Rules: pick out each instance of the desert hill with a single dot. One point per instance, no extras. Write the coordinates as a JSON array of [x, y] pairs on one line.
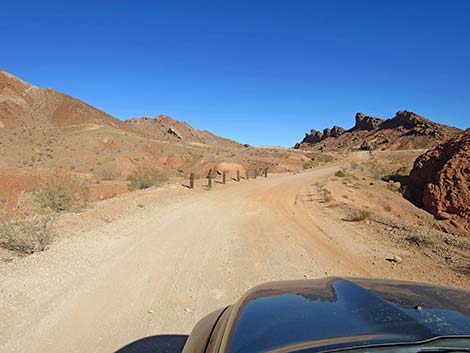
[[406, 130], [26, 106], [43, 130], [165, 128]]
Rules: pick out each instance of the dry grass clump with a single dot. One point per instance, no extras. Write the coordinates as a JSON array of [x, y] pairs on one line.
[[61, 192], [360, 215], [26, 234], [145, 177]]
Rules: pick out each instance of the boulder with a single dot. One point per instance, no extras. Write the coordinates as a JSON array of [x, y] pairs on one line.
[[174, 133], [366, 146], [441, 179]]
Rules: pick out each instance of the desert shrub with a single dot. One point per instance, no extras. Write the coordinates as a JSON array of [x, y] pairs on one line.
[[61, 192], [326, 194], [108, 173], [340, 174], [308, 164], [360, 215], [145, 177], [419, 239], [26, 234]]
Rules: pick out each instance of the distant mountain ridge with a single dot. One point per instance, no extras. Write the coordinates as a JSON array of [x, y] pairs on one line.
[[406, 130]]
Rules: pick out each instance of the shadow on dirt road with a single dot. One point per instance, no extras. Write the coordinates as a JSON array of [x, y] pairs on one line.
[[156, 344]]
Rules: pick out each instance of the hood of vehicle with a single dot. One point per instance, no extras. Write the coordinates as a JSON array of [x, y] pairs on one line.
[[335, 313]]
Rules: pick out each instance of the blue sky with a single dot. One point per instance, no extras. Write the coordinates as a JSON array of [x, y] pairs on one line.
[[260, 72]]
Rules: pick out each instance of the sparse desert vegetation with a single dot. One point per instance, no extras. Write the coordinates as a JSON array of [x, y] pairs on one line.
[[359, 215], [145, 177], [340, 174], [61, 192], [26, 233]]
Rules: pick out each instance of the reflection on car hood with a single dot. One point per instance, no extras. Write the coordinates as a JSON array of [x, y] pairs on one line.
[[337, 313]]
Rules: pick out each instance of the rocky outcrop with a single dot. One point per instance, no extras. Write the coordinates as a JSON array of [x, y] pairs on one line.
[[441, 180], [406, 130], [414, 124], [174, 133], [365, 122], [335, 131], [316, 136]]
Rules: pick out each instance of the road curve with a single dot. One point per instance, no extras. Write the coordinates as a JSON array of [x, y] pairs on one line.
[[159, 272]]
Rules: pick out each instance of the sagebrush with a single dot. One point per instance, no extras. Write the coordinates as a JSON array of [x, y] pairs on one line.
[[61, 192], [146, 177]]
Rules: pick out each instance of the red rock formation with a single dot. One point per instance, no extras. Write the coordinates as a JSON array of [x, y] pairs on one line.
[[406, 130], [442, 178], [364, 122]]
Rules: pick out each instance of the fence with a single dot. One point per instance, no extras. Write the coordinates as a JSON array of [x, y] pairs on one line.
[[212, 176]]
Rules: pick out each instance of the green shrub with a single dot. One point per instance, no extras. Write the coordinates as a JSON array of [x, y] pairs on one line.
[[340, 174], [61, 192], [26, 234], [145, 177]]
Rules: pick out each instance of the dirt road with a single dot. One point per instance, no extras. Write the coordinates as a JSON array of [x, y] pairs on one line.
[[158, 270]]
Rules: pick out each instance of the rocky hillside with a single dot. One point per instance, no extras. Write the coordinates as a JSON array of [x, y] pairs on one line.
[[26, 106], [165, 128], [406, 130], [441, 180]]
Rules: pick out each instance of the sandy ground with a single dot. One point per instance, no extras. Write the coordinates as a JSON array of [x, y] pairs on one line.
[[158, 267]]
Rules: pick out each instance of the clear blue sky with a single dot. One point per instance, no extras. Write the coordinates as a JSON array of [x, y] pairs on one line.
[[260, 72]]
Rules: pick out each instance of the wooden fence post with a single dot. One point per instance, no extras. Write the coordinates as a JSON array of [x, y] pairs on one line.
[[209, 180], [191, 181], [265, 172], [247, 174], [224, 177], [238, 175]]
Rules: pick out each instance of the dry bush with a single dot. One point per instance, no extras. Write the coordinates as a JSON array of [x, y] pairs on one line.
[[145, 177], [308, 164], [108, 174], [24, 233], [326, 194], [61, 192], [360, 215]]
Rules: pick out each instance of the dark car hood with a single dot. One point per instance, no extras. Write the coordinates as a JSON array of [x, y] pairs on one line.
[[337, 313]]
